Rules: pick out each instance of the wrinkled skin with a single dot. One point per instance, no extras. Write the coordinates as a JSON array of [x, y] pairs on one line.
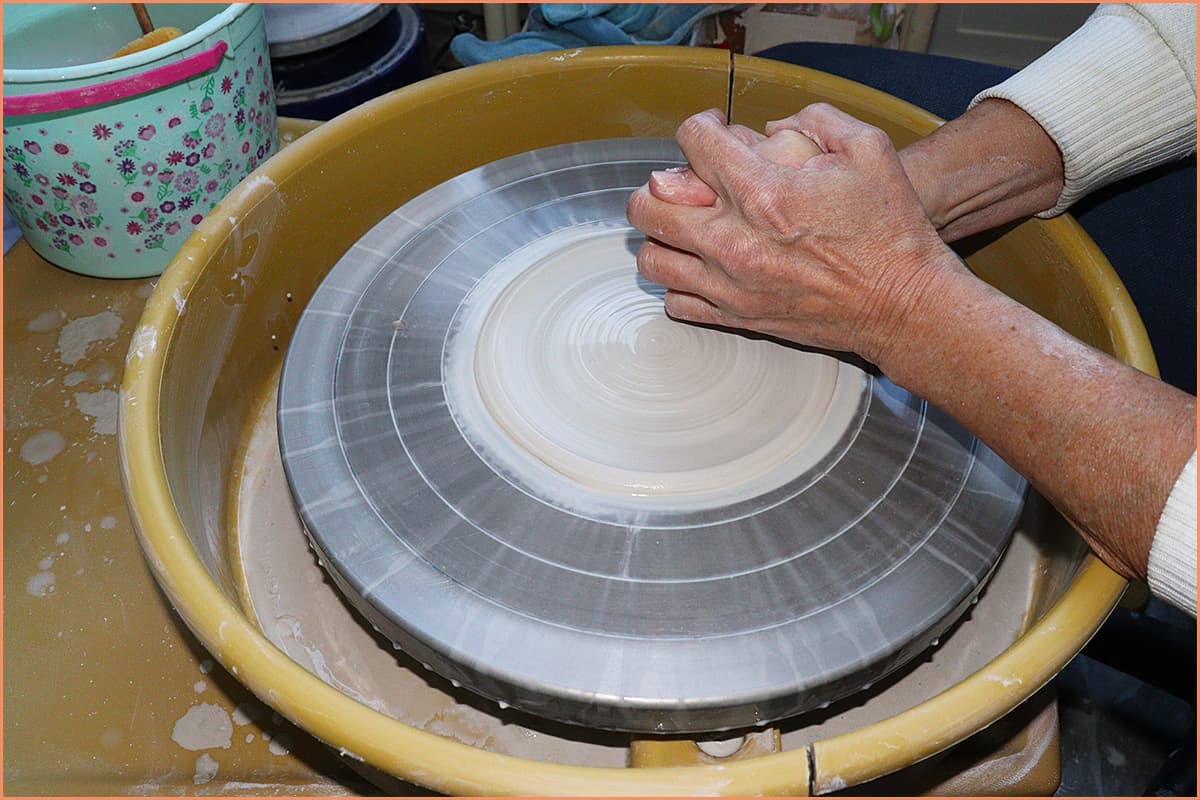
[[828, 250], [837, 251]]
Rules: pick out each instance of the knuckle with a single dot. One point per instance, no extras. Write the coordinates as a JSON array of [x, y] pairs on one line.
[[775, 196], [683, 307], [738, 256], [788, 123], [743, 305], [735, 304], [875, 139], [760, 204], [693, 128], [673, 307], [746, 136], [815, 111], [647, 263], [769, 201], [635, 206]]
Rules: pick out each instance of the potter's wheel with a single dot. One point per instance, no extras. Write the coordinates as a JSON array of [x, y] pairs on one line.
[[527, 477]]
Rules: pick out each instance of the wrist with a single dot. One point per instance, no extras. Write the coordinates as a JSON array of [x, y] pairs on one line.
[[900, 324], [921, 162], [990, 166]]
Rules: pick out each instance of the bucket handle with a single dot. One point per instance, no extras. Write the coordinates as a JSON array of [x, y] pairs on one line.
[[119, 89]]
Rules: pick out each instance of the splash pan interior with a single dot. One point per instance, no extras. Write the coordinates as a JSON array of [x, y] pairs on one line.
[[205, 481]]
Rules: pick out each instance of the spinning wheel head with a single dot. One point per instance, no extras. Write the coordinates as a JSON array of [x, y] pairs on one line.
[[521, 471]]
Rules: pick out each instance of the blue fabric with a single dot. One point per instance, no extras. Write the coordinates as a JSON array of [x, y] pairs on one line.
[[559, 26], [1144, 224]]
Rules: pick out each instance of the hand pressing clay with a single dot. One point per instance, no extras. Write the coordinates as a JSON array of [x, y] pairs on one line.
[[682, 186]]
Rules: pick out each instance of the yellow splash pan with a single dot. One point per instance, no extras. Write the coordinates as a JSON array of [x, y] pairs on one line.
[[220, 318]]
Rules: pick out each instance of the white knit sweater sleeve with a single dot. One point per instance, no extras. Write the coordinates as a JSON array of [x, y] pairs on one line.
[[1173, 552], [1118, 96]]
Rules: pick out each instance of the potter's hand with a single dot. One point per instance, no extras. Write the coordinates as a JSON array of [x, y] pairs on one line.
[[838, 252], [682, 187], [992, 165], [834, 252]]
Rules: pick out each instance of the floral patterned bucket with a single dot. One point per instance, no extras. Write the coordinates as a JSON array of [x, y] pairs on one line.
[[109, 164]]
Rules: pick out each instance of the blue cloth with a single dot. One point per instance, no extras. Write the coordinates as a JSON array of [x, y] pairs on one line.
[[559, 26]]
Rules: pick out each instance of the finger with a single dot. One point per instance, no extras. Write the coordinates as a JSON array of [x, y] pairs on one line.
[[833, 130], [682, 227], [714, 153], [682, 187], [787, 147], [674, 269], [747, 136], [789, 123], [691, 308], [829, 120], [702, 311]]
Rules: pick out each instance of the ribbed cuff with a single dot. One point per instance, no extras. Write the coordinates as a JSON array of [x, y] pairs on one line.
[[1173, 553], [1114, 98]]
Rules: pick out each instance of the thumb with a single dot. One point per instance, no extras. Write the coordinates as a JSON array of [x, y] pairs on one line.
[[833, 130], [788, 147], [682, 187]]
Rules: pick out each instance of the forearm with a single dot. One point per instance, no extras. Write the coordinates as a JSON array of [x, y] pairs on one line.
[[990, 166], [1102, 441], [837, 253], [1115, 98]]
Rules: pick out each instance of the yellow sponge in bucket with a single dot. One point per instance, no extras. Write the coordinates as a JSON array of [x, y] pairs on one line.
[[155, 37]]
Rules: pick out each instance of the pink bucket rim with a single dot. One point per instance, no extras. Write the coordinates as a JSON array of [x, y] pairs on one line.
[[22, 78]]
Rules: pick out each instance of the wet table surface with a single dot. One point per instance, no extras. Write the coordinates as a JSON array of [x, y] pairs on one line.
[[105, 691]]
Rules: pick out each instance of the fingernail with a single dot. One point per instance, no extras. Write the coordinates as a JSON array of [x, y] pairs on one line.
[[669, 177]]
